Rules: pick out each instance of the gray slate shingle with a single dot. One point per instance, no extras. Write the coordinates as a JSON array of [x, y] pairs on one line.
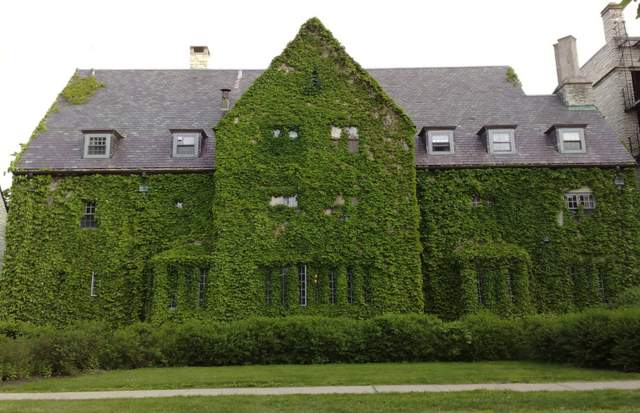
[[144, 104]]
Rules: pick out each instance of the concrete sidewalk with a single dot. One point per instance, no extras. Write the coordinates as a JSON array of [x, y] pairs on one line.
[[278, 391]]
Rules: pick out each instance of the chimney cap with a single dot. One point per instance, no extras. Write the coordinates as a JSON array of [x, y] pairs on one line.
[[200, 50], [611, 6]]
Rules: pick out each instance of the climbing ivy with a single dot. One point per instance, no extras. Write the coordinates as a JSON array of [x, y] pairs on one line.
[[512, 77], [575, 260], [49, 258], [357, 212]]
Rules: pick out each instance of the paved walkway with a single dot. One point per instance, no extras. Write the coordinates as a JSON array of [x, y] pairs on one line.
[[273, 391]]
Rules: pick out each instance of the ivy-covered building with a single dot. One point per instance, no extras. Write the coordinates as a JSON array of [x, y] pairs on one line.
[[316, 187]]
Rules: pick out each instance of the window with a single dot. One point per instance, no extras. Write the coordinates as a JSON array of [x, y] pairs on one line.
[[202, 290], [350, 287], [186, 144], [268, 287], [89, 219], [302, 284], [333, 290], [580, 199], [571, 140], [288, 201], [475, 201], [174, 302], [93, 292], [480, 287], [97, 145], [501, 141], [440, 141], [351, 132], [283, 286]]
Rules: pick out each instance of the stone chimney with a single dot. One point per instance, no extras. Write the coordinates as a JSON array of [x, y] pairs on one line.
[[199, 57], [613, 21], [573, 88]]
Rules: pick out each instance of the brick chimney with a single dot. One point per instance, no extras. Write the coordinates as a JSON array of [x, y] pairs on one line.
[[574, 89], [613, 21], [199, 57]]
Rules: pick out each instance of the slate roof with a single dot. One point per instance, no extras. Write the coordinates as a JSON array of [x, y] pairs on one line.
[[143, 105]]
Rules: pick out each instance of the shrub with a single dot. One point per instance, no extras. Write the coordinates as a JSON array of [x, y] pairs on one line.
[[598, 338], [628, 298]]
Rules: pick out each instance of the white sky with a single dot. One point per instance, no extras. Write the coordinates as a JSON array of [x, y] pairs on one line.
[[42, 42]]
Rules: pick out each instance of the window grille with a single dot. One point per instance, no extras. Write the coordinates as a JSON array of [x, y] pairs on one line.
[[575, 200], [302, 281], [501, 141], [268, 287], [202, 290], [93, 292], [333, 288], [97, 145], [89, 219], [440, 142], [283, 286], [350, 286]]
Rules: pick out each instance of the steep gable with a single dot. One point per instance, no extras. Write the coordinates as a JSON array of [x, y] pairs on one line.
[[317, 134]]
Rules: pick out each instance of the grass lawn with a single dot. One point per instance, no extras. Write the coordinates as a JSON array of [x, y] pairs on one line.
[[318, 375], [479, 401]]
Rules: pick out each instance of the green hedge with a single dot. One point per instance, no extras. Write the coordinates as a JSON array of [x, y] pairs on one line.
[[597, 338]]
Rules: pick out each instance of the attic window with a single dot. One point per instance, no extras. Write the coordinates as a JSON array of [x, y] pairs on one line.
[[571, 140], [501, 141], [440, 142], [186, 144], [97, 145]]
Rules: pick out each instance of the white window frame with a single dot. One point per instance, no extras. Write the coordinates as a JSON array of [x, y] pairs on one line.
[[92, 291], [87, 140], [512, 141], [177, 136], [588, 204], [288, 201], [561, 140], [440, 132], [303, 285]]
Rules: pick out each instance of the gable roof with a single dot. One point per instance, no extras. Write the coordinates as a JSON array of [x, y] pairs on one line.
[[144, 105]]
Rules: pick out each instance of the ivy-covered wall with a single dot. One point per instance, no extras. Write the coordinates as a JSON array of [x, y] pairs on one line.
[[356, 195], [576, 260], [50, 259]]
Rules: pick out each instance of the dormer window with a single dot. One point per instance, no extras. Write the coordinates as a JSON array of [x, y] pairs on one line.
[[440, 142], [186, 144], [501, 141], [97, 145], [571, 140]]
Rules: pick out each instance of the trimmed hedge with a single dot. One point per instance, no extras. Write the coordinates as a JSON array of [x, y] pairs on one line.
[[597, 338]]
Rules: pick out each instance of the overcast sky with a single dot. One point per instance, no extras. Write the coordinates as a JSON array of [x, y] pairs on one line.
[[43, 42]]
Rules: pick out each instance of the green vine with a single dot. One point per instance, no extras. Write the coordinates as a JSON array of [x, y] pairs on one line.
[[512, 77]]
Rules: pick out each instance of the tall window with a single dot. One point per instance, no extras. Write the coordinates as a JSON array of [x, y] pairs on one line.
[[93, 292], [283, 286], [302, 285], [501, 141], [268, 287], [350, 286], [480, 287], [89, 219], [202, 290], [440, 141], [97, 145], [333, 289]]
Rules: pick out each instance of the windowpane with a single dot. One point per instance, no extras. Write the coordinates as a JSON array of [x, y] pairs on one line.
[[572, 146], [185, 149], [570, 136], [302, 280], [575, 200], [502, 147], [283, 286], [350, 286], [202, 292], [332, 288], [89, 219], [93, 292], [97, 145]]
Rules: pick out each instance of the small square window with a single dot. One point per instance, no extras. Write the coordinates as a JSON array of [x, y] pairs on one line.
[[571, 140], [89, 219], [186, 145], [97, 145], [440, 142], [501, 141]]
